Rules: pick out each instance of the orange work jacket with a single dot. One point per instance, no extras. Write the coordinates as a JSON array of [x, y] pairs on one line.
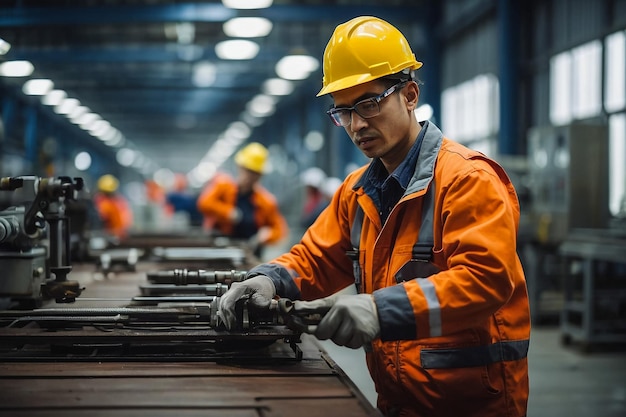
[[115, 213], [453, 343], [219, 198]]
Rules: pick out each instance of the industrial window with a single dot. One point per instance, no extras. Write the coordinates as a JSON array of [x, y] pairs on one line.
[[470, 110], [615, 72], [575, 83], [617, 156]]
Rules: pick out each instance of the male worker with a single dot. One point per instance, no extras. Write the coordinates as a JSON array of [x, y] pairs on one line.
[[443, 309], [113, 208], [242, 208]]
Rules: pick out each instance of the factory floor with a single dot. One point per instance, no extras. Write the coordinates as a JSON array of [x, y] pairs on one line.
[[564, 380]]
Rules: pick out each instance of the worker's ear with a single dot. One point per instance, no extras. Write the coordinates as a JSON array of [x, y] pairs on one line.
[[411, 95]]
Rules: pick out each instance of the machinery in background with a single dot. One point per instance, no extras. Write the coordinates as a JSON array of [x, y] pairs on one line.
[[34, 240], [568, 184]]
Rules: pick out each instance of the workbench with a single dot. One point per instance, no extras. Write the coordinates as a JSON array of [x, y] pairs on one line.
[[258, 380], [594, 310]]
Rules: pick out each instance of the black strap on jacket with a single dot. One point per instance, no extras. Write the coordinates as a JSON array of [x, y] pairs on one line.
[[422, 249]]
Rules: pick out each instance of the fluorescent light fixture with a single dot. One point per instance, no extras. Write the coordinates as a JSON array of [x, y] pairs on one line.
[[204, 74], [87, 120], [296, 67], [37, 87], [247, 4], [4, 47], [247, 27], [277, 87], [239, 130], [16, 69], [237, 49], [261, 105], [66, 106], [77, 113], [125, 157], [82, 161], [54, 97]]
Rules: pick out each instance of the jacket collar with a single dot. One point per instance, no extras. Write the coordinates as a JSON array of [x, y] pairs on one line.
[[424, 168]]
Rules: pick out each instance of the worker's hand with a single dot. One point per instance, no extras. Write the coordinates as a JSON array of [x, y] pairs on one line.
[[235, 215], [351, 320], [259, 291]]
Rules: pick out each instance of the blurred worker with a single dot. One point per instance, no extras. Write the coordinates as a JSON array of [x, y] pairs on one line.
[[313, 179], [430, 227], [113, 207], [327, 191], [242, 208], [181, 199]]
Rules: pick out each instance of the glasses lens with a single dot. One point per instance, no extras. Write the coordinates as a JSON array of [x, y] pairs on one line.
[[367, 108], [341, 117]]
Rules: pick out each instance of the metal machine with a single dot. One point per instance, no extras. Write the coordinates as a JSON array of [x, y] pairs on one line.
[[34, 240], [144, 340]]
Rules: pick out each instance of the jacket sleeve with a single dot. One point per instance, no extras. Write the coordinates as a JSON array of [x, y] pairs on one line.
[[476, 221], [317, 266], [273, 218], [212, 202]]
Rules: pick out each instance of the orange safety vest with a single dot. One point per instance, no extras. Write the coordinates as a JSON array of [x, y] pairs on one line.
[[115, 213], [218, 200], [453, 338]]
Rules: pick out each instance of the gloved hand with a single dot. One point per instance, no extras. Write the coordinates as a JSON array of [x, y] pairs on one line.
[[259, 290], [351, 320]]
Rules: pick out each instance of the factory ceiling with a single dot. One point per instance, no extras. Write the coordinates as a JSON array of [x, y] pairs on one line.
[[150, 68]]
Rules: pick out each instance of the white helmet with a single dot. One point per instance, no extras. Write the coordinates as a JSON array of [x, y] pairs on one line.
[[313, 177], [330, 186]]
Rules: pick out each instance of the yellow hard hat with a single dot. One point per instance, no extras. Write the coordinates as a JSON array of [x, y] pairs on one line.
[[108, 183], [253, 157], [364, 49]]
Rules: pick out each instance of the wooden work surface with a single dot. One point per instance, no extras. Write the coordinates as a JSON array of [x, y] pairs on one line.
[[269, 381]]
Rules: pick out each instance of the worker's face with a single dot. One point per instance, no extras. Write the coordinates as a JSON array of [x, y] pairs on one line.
[[247, 179], [387, 135]]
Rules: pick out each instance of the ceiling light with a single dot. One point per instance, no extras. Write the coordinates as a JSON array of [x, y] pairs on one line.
[[87, 120], [66, 106], [16, 69], [54, 98], [75, 114], [237, 49], [37, 87], [247, 4], [204, 74], [261, 105], [277, 87], [248, 27], [125, 157], [4, 47], [296, 67], [82, 161]]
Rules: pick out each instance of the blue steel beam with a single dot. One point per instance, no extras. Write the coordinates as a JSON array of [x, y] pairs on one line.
[[193, 12]]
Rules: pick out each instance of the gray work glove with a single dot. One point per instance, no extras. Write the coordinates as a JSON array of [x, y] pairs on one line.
[[350, 320], [259, 290]]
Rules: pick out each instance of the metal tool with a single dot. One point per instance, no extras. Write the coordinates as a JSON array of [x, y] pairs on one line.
[[298, 318], [200, 277]]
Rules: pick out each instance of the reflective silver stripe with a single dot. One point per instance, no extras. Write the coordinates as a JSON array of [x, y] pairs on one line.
[[434, 308], [471, 356]]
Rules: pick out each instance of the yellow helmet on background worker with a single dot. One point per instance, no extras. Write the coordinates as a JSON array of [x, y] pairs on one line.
[[253, 157], [108, 183], [364, 49]]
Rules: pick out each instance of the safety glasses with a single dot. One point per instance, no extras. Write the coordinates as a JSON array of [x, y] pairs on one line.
[[370, 107]]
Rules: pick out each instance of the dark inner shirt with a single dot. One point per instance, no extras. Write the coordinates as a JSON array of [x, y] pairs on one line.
[[391, 188], [247, 227]]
